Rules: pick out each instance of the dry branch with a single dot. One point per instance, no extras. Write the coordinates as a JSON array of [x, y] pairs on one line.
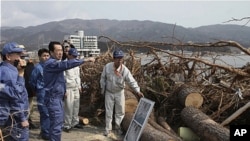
[[236, 114], [234, 19], [216, 44]]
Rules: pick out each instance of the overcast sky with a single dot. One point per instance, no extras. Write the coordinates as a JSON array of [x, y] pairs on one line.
[[184, 13]]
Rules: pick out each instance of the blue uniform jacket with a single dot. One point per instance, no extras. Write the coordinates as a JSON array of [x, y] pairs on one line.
[[13, 94], [54, 82], [36, 78]]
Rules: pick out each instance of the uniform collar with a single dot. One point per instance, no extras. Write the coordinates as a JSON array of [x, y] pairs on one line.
[[9, 65], [118, 70]]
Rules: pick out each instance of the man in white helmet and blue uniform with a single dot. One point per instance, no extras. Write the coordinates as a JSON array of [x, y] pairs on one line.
[[112, 83], [14, 105]]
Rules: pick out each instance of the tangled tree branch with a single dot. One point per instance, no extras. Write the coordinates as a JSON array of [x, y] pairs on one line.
[[151, 45], [234, 19]]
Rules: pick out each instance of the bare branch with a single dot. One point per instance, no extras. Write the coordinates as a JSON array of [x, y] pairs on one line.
[[233, 19], [216, 44]]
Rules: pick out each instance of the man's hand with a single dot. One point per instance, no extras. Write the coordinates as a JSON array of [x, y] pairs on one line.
[[21, 66], [25, 123], [80, 90], [22, 63], [140, 94], [90, 59], [65, 95]]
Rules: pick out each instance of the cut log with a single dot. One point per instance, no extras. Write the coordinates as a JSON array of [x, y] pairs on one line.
[[83, 120], [189, 96], [149, 133], [165, 125], [203, 126], [131, 105], [236, 114], [158, 127]]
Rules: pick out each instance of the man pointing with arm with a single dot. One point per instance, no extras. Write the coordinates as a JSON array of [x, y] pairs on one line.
[[55, 88]]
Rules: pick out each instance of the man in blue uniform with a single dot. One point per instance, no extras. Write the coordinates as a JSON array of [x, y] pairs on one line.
[[13, 95], [55, 87], [36, 82]]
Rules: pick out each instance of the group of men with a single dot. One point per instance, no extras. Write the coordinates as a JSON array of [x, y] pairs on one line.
[[56, 82]]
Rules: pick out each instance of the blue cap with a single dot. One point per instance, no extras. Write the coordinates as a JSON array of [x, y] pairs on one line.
[[118, 54], [73, 51], [11, 47]]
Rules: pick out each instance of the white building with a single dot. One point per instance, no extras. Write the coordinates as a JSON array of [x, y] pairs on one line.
[[86, 45]]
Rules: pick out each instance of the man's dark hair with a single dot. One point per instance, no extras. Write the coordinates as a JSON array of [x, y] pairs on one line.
[[72, 46], [52, 45], [4, 57], [64, 54], [41, 51]]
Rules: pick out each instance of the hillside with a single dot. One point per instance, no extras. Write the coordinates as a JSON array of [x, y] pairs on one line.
[[34, 36]]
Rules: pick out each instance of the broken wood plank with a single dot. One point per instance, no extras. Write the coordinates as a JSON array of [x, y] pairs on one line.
[[236, 114]]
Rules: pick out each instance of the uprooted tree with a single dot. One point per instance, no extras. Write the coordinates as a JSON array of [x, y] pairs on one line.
[[174, 80]]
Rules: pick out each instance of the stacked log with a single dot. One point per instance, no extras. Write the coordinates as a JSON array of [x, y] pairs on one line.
[[165, 125], [203, 126], [189, 96], [149, 133], [152, 131], [218, 98]]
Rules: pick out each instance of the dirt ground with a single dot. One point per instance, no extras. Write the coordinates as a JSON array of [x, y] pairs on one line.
[[88, 133]]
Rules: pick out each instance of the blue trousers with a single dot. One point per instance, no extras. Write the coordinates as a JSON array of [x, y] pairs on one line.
[[56, 115], [44, 113]]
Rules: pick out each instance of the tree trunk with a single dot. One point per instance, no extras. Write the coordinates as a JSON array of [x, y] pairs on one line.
[[165, 125], [189, 96], [149, 133], [203, 126], [83, 120], [158, 128]]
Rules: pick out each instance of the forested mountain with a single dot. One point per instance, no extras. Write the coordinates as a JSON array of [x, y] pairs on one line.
[[34, 37]]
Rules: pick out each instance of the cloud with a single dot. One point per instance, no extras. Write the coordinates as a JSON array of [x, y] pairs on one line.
[[184, 13], [23, 13]]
